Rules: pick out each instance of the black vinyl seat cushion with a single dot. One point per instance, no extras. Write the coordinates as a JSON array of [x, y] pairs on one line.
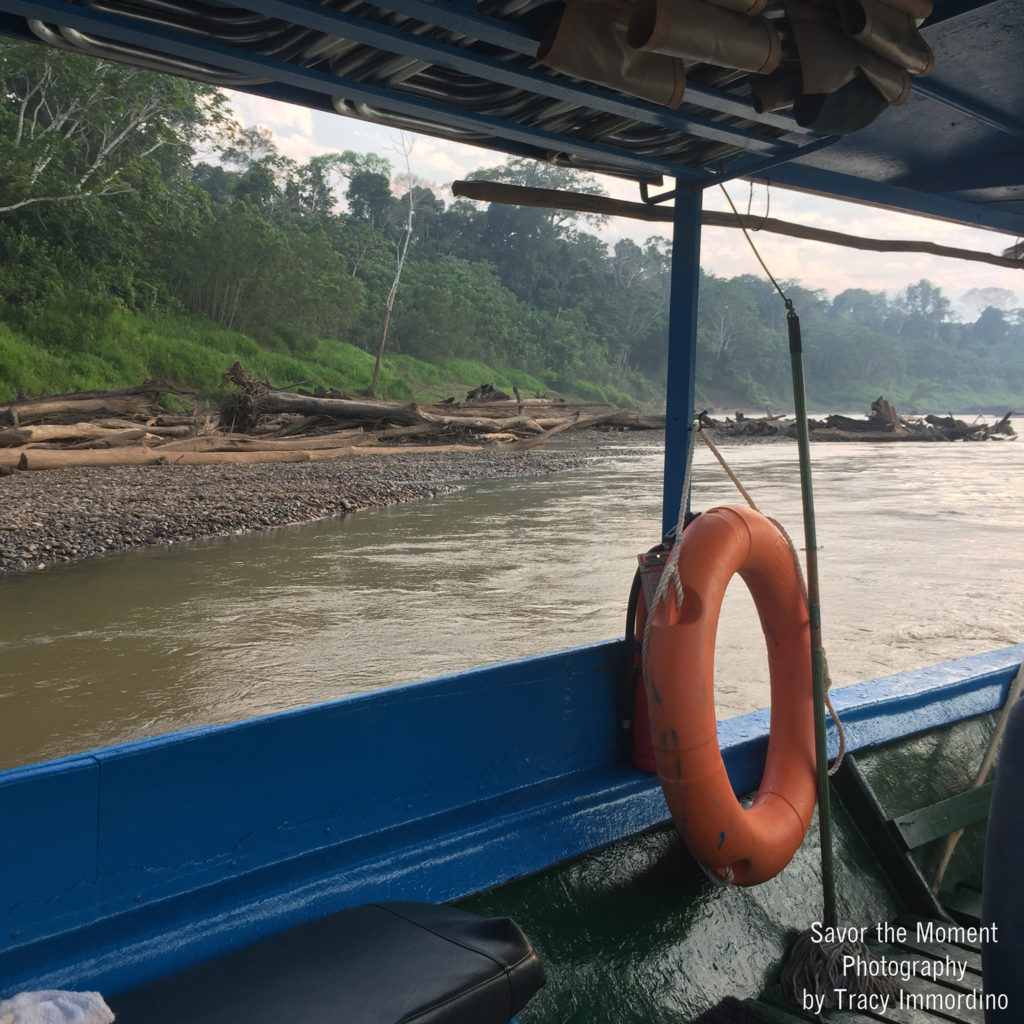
[[383, 963]]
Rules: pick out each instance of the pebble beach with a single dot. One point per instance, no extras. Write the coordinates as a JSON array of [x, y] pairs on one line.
[[54, 516]]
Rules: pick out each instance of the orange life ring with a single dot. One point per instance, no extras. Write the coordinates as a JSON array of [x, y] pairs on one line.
[[744, 845]]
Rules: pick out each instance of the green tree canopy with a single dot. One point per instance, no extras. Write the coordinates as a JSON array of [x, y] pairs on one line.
[[73, 129]]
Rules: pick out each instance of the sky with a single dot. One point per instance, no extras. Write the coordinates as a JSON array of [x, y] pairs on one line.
[[300, 133]]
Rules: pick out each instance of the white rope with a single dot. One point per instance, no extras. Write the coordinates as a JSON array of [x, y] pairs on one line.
[[725, 465], [670, 574]]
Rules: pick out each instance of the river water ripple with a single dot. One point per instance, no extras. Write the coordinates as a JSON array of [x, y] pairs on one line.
[[921, 559]]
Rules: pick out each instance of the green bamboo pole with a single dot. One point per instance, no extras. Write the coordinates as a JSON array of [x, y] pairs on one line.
[[828, 881], [817, 967]]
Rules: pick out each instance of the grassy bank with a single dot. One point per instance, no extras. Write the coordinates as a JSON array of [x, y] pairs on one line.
[[54, 351], [100, 344]]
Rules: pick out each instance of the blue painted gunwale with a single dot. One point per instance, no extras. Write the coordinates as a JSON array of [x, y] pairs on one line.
[[127, 863]]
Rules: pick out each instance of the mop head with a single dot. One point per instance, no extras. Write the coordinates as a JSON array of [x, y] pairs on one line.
[[842, 975]]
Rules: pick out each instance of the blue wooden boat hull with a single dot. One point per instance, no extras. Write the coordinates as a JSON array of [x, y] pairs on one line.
[[128, 863]]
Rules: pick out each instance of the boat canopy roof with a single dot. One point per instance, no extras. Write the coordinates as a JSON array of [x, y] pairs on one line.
[[599, 98]]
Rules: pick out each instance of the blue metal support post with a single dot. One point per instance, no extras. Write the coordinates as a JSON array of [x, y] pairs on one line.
[[682, 349]]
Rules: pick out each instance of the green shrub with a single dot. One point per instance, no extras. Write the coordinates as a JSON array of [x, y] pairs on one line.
[[27, 366], [394, 390], [529, 386], [413, 369], [298, 340], [350, 368], [622, 399], [587, 392], [469, 371]]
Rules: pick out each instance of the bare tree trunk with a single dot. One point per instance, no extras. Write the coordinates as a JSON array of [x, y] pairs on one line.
[[403, 251]]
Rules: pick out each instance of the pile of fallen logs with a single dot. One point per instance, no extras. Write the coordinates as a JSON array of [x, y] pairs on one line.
[[262, 423], [90, 427], [121, 405], [258, 407], [487, 415], [883, 424]]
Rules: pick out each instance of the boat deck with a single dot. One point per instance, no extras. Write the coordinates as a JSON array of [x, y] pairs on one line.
[[306, 962], [922, 998], [653, 941]]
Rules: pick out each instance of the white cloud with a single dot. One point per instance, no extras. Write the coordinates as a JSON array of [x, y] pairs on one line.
[[282, 118], [291, 127], [441, 162]]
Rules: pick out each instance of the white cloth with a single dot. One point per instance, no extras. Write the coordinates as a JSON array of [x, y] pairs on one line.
[[55, 1007]]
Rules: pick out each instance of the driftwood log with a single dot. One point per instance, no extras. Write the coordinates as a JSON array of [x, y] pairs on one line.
[[15, 437], [36, 458], [142, 400]]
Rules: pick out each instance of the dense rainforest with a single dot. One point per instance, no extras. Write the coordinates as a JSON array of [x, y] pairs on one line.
[[145, 234]]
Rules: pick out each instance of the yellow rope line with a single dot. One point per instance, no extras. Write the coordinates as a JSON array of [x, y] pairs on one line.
[[704, 436]]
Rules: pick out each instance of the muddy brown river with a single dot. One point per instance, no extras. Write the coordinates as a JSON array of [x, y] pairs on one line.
[[922, 560]]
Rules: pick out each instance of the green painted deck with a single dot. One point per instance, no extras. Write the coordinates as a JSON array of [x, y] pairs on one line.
[[637, 932]]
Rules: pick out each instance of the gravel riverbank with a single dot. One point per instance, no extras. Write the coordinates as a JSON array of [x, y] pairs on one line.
[[61, 515]]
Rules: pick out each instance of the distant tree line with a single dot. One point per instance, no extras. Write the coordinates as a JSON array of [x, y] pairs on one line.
[[125, 190]]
